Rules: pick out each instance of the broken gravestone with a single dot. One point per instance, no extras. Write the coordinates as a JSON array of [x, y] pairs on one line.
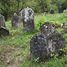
[[47, 28], [15, 20], [27, 16], [2, 21], [3, 30], [42, 47]]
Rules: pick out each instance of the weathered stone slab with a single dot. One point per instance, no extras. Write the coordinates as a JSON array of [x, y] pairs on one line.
[[4, 31], [27, 16], [2, 21], [51, 11], [15, 20]]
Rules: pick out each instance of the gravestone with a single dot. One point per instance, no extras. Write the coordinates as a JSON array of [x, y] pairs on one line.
[[47, 28], [4, 31], [2, 21], [15, 20], [51, 11], [27, 16], [39, 47], [60, 10], [42, 47]]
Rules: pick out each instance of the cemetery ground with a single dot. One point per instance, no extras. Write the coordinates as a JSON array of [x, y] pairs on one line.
[[15, 48]]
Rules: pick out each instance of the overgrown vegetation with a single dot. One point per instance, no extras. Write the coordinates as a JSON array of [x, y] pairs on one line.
[[8, 8], [15, 49]]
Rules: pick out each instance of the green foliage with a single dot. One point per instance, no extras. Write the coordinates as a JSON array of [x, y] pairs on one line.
[[39, 6]]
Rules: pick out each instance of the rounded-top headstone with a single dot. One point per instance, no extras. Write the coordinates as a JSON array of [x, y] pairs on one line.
[[51, 11], [27, 16]]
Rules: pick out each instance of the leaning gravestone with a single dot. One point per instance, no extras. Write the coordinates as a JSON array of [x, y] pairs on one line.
[[15, 20], [47, 28], [27, 16], [42, 47], [3, 30], [2, 21]]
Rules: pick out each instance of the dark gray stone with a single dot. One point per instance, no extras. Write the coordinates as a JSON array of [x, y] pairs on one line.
[[51, 11], [15, 20], [60, 7], [43, 47], [4, 31], [47, 28], [2, 21], [27, 16]]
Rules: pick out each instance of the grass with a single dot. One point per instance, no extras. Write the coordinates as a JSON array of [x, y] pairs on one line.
[[16, 47]]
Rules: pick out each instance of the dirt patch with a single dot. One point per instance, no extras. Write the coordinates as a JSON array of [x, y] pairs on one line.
[[10, 56]]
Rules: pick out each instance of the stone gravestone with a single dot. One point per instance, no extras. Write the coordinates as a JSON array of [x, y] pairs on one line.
[[2, 21], [60, 10], [51, 11], [47, 28], [42, 47], [15, 20], [27, 16], [3, 30], [49, 42]]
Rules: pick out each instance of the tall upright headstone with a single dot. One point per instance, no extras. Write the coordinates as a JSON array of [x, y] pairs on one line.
[[27, 16], [15, 20]]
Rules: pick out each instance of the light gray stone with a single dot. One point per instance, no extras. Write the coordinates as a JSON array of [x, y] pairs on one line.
[[27, 16]]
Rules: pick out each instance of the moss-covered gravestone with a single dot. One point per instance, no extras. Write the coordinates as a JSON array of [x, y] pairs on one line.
[[43, 47], [48, 43], [27, 16]]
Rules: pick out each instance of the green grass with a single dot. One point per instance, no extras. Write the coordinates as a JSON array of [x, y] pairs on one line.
[[20, 42]]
